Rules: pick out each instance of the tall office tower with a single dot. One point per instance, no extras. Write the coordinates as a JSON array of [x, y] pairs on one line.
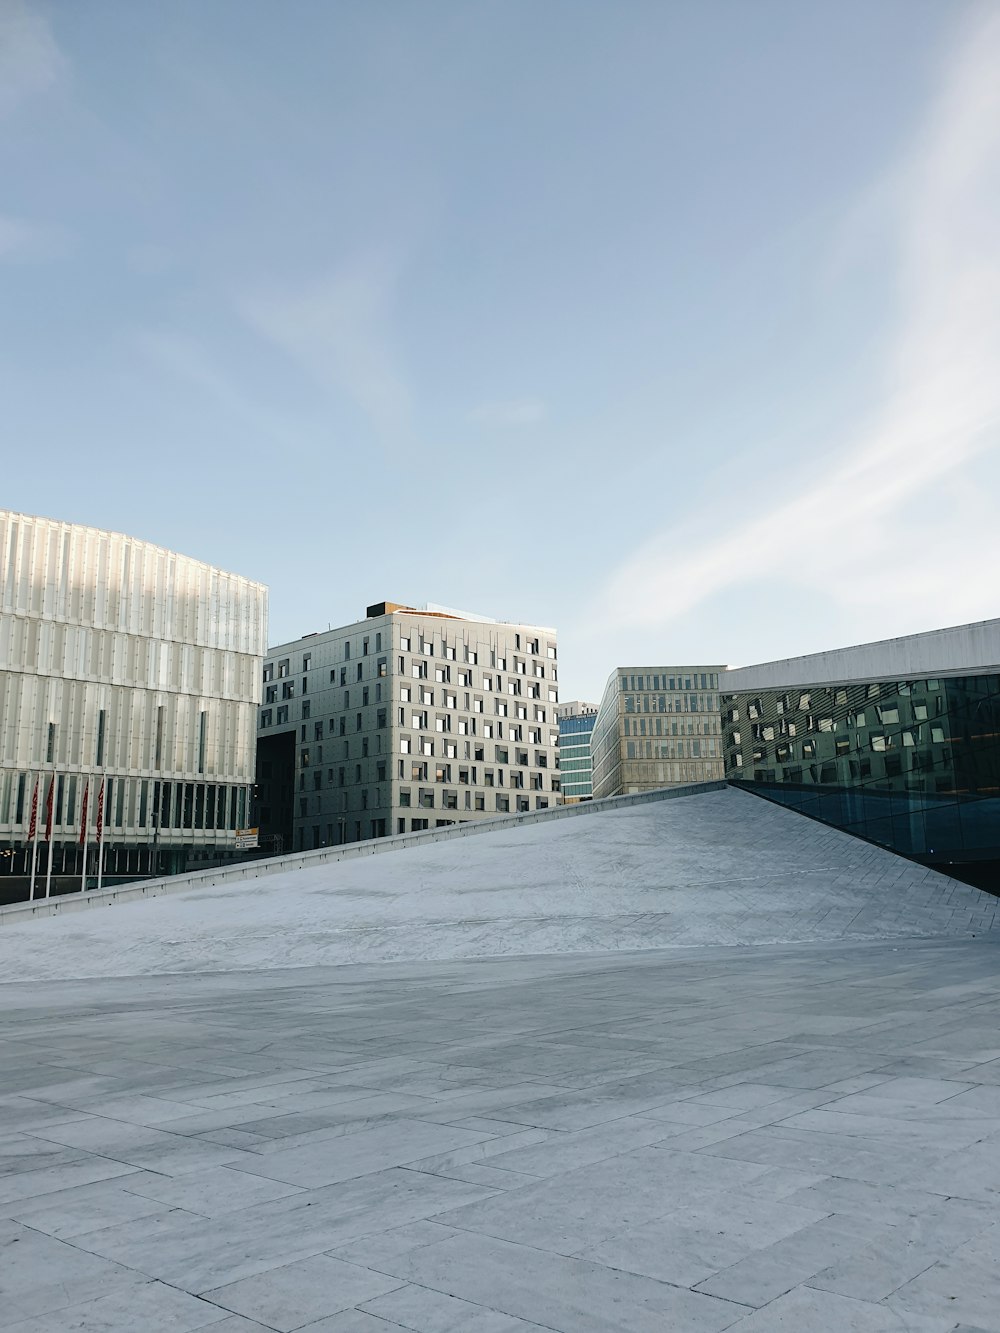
[[131, 670], [657, 727], [576, 722], [409, 719]]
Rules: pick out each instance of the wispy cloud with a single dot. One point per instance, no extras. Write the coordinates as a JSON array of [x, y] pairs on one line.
[[339, 330], [23, 241], [514, 412], [186, 359], [30, 60], [940, 408]]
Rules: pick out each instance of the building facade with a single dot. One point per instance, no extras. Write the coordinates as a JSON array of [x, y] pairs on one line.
[[576, 722], [124, 662], [897, 742], [409, 719], [657, 727]]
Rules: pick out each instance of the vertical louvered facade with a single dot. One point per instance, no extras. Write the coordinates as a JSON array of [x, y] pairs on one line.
[[122, 660]]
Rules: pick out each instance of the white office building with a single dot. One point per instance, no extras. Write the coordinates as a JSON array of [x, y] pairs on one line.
[[409, 719]]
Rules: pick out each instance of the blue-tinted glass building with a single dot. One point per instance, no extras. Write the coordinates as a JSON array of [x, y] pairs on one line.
[[576, 723], [897, 742]]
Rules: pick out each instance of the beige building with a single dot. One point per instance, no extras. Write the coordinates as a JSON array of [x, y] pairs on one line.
[[407, 720], [657, 727]]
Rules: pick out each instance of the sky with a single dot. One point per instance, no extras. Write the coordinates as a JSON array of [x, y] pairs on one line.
[[674, 326]]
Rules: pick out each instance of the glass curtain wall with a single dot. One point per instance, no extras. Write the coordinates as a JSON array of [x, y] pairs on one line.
[[913, 765]]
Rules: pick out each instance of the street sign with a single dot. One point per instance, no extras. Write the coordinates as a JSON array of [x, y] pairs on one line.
[[246, 839]]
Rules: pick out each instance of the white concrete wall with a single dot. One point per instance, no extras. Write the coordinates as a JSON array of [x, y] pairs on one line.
[[963, 650], [280, 865]]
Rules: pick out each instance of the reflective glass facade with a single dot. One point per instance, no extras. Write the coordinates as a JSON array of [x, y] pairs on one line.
[[123, 660], [575, 765], [657, 727], [913, 765]]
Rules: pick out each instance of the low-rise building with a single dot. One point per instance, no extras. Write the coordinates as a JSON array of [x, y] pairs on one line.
[[409, 719], [657, 727], [896, 741]]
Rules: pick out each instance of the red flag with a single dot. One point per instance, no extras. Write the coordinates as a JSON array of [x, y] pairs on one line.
[[48, 809], [83, 815], [100, 812], [33, 825]]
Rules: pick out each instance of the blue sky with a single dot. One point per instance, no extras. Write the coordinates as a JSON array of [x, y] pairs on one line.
[[674, 325]]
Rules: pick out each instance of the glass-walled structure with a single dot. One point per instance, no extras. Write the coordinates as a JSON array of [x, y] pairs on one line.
[[124, 663], [576, 723], [657, 727], [909, 762]]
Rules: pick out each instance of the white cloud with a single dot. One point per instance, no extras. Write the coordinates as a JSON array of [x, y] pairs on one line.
[[30, 60], [22, 241], [940, 411], [339, 330], [512, 413], [186, 359]]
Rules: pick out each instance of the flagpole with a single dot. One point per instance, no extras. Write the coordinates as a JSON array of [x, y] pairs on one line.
[[100, 833], [83, 837], [49, 807], [33, 834]]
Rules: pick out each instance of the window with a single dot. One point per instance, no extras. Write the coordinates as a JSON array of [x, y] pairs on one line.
[[503, 802], [306, 661], [306, 707], [288, 689], [381, 718], [404, 642], [382, 665], [404, 745], [269, 671], [426, 797], [283, 668], [265, 717], [347, 652], [282, 714], [271, 694], [404, 797]]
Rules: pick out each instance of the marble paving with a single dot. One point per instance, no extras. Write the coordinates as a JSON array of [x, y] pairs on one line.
[[796, 1137]]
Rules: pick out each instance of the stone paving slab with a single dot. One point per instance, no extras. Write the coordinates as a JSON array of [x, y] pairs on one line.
[[798, 1137]]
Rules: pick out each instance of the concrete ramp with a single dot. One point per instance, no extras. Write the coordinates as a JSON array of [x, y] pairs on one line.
[[721, 867]]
